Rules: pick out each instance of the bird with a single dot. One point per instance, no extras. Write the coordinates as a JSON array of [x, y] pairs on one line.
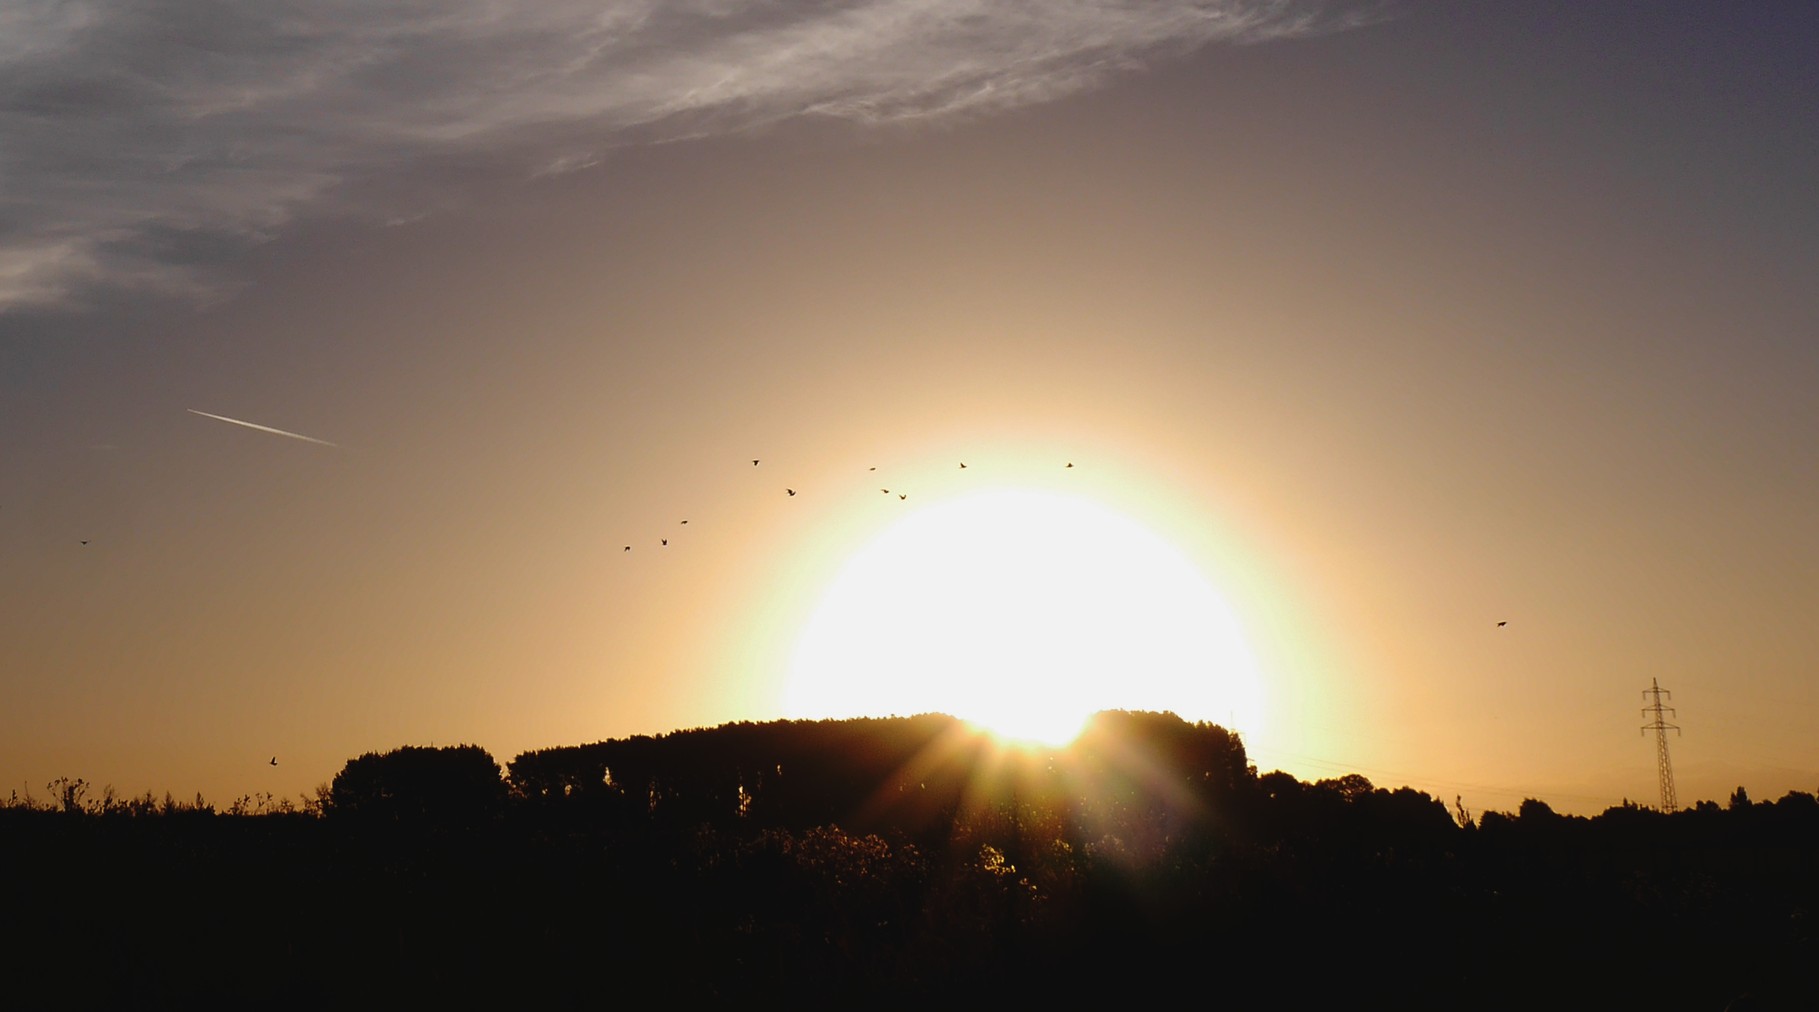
[[274, 760], [791, 491], [85, 542], [886, 491], [871, 469], [903, 495], [754, 463], [685, 521], [1502, 624], [666, 542], [1070, 463], [628, 548], [963, 465]]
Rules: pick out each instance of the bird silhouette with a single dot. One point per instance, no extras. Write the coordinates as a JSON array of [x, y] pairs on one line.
[[963, 465], [666, 542], [791, 491], [85, 542], [754, 463], [871, 469], [1502, 624], [903, 495], [886, 491], [685, 521], [1070, 463], [274, 760], [628, 548]]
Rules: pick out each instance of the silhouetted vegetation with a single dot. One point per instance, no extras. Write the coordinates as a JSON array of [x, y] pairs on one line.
[[898, 861]]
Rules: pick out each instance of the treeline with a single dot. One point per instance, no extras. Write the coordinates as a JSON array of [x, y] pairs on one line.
[[900, 861]]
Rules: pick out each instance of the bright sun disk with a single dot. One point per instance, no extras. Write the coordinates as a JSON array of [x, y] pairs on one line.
[[1024, 612]]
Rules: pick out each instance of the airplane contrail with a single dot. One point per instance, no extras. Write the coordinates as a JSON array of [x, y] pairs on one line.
[[263, 428]]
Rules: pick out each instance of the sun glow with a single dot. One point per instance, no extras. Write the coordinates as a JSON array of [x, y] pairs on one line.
[[1024, 612]]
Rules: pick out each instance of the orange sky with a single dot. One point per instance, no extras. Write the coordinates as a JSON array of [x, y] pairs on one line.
[[1395, 330]]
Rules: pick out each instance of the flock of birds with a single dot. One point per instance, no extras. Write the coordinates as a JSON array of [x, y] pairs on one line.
[[661, 542], [664, 542]]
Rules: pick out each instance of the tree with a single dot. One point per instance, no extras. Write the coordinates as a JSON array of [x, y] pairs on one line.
[[454, 785], [1536, 810], [1351, 786]]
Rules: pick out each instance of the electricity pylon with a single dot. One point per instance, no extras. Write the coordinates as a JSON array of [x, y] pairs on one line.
[[1664, 768]]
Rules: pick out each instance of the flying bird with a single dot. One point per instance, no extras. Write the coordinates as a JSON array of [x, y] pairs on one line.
[[274, 760], [685, 521], [1070, 463], [903, 495], [791, 491], [628, 548], [85, 542], [886, 491], [1502, 624], [262, 428], [754, 463], [963, 465], [666, 542]]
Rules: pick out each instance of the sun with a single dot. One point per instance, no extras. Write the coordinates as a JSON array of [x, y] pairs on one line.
[[1024, 612]]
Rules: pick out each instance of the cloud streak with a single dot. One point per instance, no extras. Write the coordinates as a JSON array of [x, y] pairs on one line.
[[143, 142], [263, 428]]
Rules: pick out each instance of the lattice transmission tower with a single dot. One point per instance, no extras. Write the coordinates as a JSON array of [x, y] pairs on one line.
[[1664, 768]]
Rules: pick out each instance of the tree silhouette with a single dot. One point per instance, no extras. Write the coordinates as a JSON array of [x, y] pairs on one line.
[[452, 786], [829, 862]]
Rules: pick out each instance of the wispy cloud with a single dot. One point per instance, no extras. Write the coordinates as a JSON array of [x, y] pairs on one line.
[[263, 428], [142, 141]]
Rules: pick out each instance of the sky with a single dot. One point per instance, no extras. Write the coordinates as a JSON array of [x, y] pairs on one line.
[[1389, 321]]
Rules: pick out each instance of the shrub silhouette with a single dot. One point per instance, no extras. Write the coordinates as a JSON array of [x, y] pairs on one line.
[[832, 862]]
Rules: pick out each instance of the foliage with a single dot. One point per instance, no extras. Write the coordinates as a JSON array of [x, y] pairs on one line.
[[839, 861], [454, 785]]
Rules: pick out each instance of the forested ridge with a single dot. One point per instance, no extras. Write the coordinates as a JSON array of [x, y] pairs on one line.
[[900, 861]]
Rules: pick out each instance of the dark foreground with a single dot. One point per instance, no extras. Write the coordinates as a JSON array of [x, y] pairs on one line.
[[901, 863]]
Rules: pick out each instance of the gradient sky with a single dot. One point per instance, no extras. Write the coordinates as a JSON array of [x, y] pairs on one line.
[[1397, 319]]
